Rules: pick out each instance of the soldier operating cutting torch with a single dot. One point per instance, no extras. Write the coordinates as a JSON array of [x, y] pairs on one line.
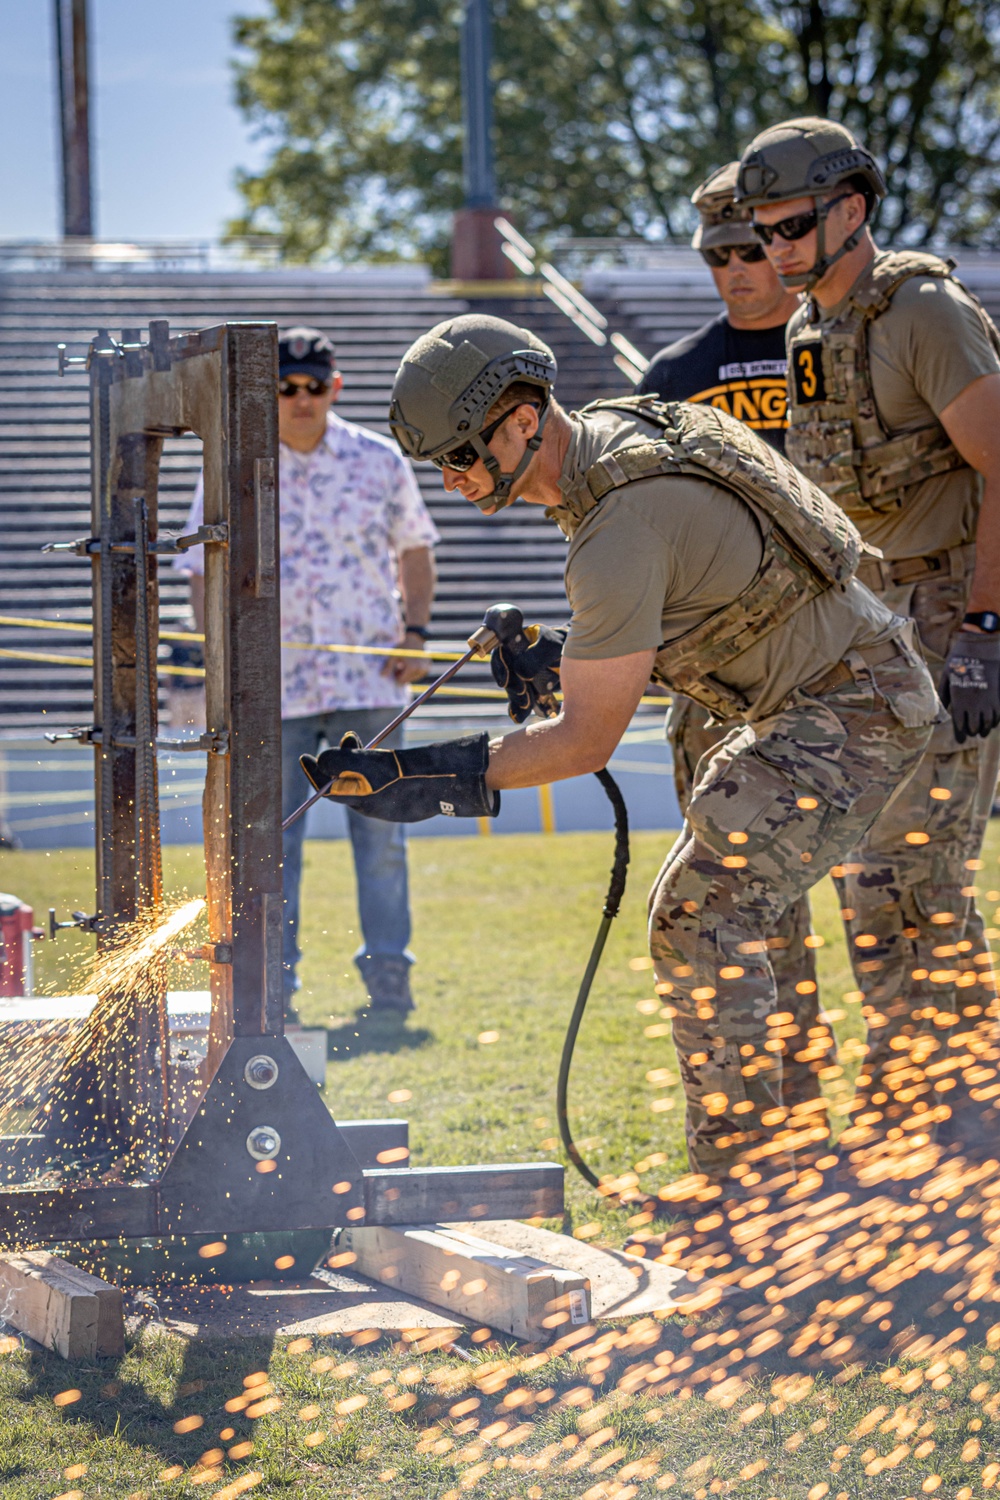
[[699, 557]]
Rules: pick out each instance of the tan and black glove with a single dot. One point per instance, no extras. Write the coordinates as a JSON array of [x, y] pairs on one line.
[[407, 786]]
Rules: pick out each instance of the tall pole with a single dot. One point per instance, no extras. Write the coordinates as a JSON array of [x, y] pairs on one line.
[[74, 118], [476, 253], [477, 105]]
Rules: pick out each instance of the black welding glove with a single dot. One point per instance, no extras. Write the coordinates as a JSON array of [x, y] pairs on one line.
[[970, 687], [527, 668], [407, 786]]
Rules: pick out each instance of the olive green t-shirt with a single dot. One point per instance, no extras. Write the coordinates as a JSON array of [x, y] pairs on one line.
[[655, 558], [924, 350]]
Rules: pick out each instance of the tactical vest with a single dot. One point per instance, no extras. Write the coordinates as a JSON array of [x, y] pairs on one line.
[[809, 544], [835, 433]]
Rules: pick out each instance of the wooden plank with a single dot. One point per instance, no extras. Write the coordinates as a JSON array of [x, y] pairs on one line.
[[472, 1277], [428, 1195], [110, 1303], [61, 1307], [621, 1286]]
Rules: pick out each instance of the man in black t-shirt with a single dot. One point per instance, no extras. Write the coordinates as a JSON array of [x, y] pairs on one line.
[[737, 361]]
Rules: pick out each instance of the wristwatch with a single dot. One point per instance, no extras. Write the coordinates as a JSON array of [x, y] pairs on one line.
[[425, 634], [986, 619]]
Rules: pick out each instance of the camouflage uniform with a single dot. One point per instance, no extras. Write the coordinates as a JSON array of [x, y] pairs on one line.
[[915, 936], [780, 802], [778, 806], [691, 731], [694, 737]]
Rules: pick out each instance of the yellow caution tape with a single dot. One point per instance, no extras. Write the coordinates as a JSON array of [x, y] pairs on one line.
[[74, 661], [169, 670], [77, 628], [88, 661]]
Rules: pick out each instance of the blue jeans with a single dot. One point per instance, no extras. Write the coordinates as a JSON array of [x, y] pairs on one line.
[[379, 848]]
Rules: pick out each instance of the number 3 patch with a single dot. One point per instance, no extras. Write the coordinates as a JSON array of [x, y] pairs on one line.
[[807, 372]]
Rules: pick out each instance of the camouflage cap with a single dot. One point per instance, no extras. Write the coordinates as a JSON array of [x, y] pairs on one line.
[[723, 220], [803, 158]]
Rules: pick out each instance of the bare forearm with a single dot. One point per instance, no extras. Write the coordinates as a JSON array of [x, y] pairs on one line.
[[600, 699], [417, 577], [972, 421], [986, 579], [550, 750]]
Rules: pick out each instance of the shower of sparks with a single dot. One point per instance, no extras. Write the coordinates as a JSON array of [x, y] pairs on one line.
[[125, 966], [107, 1094]]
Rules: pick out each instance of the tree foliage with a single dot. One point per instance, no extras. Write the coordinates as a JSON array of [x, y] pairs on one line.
[[607, 112]]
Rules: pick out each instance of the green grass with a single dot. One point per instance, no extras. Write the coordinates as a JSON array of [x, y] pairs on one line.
[[502, 929]]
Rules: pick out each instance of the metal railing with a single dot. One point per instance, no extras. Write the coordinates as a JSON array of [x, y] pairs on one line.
[[248, 253], [576, 255], [571, 301]]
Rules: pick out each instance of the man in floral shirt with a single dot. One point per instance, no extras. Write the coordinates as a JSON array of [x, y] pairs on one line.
[[357, 568]]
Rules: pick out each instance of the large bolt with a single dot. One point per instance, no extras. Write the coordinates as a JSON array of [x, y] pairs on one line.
[[261, 1071], [263, 1142]]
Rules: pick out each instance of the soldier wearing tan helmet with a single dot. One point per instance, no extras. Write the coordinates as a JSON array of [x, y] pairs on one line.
[[894, 395], [699, 556], [737, 363]]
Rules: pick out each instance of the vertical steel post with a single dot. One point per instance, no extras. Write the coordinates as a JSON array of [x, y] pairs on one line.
[[476, 248], [243, 692], [477, 105], [129, 1090], [74, 118]]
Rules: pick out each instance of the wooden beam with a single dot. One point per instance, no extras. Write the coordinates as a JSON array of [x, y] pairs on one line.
[[110, 1306], [60, 1306], [472, 1278]]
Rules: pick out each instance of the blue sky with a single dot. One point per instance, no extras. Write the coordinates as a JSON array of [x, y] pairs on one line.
[[166, 137]]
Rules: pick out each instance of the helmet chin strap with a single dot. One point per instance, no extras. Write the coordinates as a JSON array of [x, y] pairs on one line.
[[804, 281], [502, 493]]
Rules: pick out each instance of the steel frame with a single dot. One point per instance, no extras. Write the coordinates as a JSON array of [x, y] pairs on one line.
[[258, 1150]]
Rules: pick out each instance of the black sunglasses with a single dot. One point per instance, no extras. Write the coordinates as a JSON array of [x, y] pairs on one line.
[[314, 387], [796, 226], [718, 255], [461, 459]]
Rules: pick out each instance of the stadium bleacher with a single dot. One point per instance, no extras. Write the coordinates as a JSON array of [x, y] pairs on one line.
[[372, 316]]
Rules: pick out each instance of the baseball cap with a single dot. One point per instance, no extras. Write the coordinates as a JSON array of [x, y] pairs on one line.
[[721, 220], [306, 351]]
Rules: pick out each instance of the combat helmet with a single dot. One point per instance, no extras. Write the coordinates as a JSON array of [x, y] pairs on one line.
[[722, 221], [808, 158], [448, 381]]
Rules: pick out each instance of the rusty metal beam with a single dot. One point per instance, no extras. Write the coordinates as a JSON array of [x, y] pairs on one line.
[[258, 1150]]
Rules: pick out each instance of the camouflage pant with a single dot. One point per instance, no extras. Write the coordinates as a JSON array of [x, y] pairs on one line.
[[915, 936], [778, 806], [793, 960]]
